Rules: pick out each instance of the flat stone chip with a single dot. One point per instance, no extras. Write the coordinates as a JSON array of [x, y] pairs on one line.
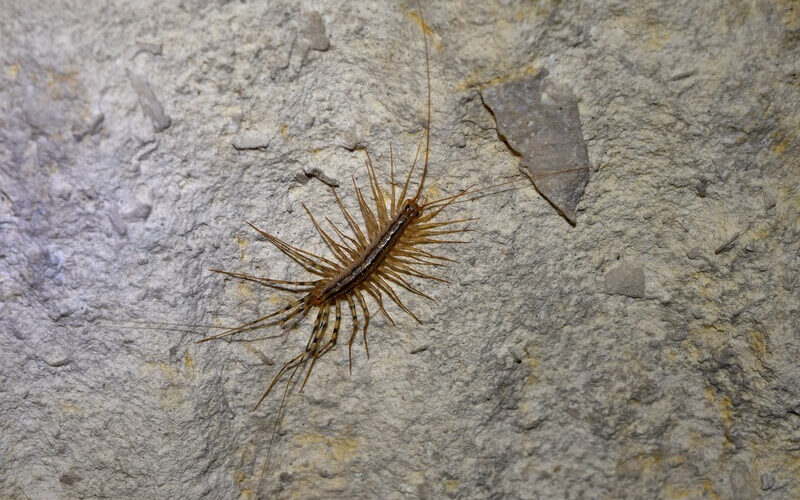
[[539, 121], [150, 104]]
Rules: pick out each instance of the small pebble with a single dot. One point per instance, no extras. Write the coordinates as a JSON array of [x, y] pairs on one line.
[[139, 211], [681, 74], [251, 140], [315, 32], [150, 104]]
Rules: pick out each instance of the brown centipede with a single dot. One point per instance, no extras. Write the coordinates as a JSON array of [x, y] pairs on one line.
[[369, 262]]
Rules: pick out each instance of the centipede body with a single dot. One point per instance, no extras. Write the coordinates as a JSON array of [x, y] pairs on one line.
[[372, 262]]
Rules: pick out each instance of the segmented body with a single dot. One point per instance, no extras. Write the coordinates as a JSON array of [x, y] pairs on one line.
[[362, 268]]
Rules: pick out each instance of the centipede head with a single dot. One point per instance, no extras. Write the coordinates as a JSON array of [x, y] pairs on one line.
[[410, 208]]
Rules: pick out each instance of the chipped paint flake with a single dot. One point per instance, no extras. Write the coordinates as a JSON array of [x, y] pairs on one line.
[[539, 120]]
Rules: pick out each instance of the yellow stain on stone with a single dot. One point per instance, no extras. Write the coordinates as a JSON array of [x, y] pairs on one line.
[[325, 451], [13, 71], [169, 380], [71, 409], [780, 147], [433, 193], [276, 300], [284, 130], [250, 348], [710, 395], [476, 79], [793, 463], [188, 360], [242, 243], [414, 477], [640, 465], [149, 370], [245, 455], [713, 330], [703, 283], [658, 36], [450, 485], [724, 406], [760, 234], [708, 489], [428, 31], [677, 492], [758, 344], [63, 84], [174, 398], [693, 354], [533, 376], [244, 289], [790, 14], [304, 490], [339, 449]]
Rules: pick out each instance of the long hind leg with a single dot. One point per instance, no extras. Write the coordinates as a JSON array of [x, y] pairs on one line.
[[309, 261], [335, 335], [316, 342], [294, 362], [261, 322]]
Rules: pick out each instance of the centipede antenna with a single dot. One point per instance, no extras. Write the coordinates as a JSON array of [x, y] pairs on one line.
[[480, 192], [157, 325], [428, 126], [393, 208], [272, 283], [277, 421], [408, 178], [255, 324]]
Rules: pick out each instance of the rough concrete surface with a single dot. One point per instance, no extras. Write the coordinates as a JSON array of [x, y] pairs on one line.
[[528, 378]]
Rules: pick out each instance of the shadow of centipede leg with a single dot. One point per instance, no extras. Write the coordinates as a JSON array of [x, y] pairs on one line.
[[363, 305], [353, 334]]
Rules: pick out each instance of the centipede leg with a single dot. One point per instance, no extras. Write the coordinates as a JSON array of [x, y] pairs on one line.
[[393, 207], [315, 344], [292, 363], [293, 318], [255, 324], [382, 285], [376, 294], [335, 335], [275, 380]]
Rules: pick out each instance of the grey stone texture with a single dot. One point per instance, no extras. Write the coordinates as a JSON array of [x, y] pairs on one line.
[[526, 379]]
